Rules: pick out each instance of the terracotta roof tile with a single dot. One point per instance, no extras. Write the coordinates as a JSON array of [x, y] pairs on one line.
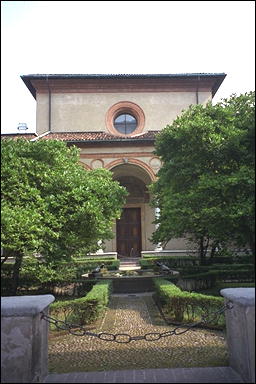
[[83, 136], [97, 136]]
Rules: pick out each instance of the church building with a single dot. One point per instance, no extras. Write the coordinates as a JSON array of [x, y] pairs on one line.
[[114, 120]]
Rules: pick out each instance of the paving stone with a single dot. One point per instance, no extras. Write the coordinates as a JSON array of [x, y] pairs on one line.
[[176, 375], [135, 315]]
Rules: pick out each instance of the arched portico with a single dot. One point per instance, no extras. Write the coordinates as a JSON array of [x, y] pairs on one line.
[[133, 230]]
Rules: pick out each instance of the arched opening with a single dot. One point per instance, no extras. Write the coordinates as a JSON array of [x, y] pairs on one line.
[[132, 228]]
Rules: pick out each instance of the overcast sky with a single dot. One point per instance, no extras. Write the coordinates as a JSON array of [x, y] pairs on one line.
[[132, 37]]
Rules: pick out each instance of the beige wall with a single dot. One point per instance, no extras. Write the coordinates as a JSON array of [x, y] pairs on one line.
[[147, 228], [147, 217], [80, 112]]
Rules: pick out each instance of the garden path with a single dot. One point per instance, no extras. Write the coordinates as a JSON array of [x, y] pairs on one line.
[[137, 314]]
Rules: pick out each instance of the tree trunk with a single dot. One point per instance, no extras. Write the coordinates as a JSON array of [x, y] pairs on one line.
[[202, 251], [203, 247], [213, 251], [252, 246], [16, 272]]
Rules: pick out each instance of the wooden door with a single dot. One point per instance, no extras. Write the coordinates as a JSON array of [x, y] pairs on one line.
[[128, 233]]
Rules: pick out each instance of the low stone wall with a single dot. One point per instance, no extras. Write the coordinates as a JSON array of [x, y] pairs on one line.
[[133, 284], [103, 255], [24, 339]]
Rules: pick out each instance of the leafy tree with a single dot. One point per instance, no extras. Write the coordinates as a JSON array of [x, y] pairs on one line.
[[205, 189], [51, 204]]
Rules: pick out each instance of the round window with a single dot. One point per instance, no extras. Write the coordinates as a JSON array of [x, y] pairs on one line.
[[125, 119], [125, 123]]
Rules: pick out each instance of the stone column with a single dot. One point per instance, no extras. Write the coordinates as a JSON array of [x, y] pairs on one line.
[[240, 322], [158, 247], [24, 338]]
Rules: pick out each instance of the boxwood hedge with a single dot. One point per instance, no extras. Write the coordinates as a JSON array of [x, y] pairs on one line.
[[85, 309], [187, 307]]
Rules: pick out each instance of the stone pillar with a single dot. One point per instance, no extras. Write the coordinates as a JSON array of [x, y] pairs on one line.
[[24, 338], [158, 247], [240, 322]]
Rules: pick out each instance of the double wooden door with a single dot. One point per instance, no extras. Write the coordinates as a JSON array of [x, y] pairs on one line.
[[128, 233]]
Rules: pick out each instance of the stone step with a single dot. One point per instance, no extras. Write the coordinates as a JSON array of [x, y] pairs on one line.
[[165, 375], [131, 263]]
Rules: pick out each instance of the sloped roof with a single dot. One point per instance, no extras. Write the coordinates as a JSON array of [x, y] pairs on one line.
[[217, 78], [120, 76], [97, 137], [85, 137]]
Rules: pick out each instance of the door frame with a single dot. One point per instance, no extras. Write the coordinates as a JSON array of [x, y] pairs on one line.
[[142, 226]]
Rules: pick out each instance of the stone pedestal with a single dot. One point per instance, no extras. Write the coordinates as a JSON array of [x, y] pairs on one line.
[[240, 321], [24, 338]]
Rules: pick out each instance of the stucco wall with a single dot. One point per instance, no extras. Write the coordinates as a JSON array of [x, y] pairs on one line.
[[111, 156], [80, 112]]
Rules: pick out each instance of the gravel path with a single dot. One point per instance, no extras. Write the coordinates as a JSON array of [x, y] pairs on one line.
[[136, 315]]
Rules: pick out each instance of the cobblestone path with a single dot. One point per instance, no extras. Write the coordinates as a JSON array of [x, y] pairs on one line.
[[136, 315]]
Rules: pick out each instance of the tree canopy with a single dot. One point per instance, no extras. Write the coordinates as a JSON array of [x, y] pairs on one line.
[[51, 204], [205, 189]]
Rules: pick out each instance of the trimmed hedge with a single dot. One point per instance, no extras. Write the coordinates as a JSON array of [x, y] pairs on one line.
[[185, 307], [36, 273], [170, 261], [85, 266], [222, 275], [86, 309]]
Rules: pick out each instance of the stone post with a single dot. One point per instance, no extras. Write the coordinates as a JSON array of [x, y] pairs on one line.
[[158, 246], [240, 322], [24, 338]]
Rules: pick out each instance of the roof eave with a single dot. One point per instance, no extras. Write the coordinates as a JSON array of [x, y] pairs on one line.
[[27, 78], [29, 85], [217, 84], [108, 141]]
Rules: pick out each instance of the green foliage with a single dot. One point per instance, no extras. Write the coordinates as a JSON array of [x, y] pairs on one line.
[[181, 306], [51, 204], [205, 189], [222, 275], [215, 291], [87, 309], [40, 272], [170, 261], [88, 265]]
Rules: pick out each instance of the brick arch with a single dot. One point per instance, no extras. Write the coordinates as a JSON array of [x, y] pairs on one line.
[[85, 166], [137, 162]]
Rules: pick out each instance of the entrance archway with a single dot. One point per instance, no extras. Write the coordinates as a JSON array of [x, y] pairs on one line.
[[131, 228]]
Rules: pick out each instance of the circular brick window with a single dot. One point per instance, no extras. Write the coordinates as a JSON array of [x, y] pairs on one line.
[[125, 119]]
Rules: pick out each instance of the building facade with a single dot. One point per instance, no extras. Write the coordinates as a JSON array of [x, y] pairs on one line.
[[114, 120]]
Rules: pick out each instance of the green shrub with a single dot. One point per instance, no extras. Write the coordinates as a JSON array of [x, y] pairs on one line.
[[222, 275], [186, 307], [170, 261], [86, 309], [94, 258], [215, 291], [86, 266]]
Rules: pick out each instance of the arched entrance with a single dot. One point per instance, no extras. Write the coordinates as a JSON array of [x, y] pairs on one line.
[[133, 225]]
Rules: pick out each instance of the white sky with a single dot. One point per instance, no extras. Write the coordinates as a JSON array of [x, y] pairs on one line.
[[132, 37]]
